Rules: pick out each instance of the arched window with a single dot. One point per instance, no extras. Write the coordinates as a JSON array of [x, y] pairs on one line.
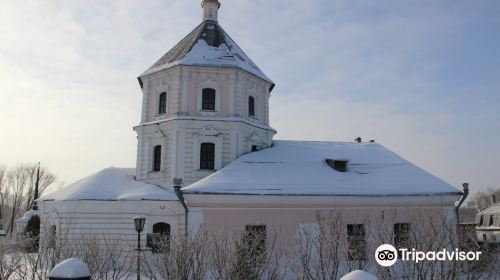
[[251, 106], [159, 240], [208, 99], [162, 103], [207, 156], [157, 158]]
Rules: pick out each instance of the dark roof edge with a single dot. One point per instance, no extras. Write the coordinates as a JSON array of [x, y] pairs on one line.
[[333, 195], [91, 199]]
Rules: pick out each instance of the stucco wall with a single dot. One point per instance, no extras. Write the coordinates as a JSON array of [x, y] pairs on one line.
[[74, 219]]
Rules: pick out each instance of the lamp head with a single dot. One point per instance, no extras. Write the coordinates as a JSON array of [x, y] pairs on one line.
[[139, 223]]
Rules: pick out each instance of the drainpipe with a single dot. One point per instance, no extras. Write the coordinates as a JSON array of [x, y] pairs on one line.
[[464, 196], [178, 192]]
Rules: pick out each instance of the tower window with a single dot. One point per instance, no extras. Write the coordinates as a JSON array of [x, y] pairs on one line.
[[157, 158], [251, 106], [207, 156], [162, 103], [208, 99], [356, 242]]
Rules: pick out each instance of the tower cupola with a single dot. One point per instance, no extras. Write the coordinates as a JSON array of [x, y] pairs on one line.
[[210, 9]]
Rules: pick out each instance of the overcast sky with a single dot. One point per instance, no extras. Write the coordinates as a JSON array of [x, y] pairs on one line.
[[420, 77]]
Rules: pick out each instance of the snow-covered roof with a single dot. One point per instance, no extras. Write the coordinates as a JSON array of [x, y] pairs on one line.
[[111, 184], [493, 209], [70, 269], [27, 216], [358, 275], [207, 45], [300, 168]]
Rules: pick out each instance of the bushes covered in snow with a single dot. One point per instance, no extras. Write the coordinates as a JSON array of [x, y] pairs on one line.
[[328, 249]]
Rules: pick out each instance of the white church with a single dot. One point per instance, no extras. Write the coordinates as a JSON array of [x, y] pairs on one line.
[[206, 156]]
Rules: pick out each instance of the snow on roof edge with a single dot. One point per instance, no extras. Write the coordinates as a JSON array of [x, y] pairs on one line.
[[111, 184]]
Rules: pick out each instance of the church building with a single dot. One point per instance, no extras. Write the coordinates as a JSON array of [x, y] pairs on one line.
[[206, 156]]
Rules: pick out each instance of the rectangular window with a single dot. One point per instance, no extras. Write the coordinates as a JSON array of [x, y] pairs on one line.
[[52, 236], [251, 106], [401, 235], [356, 242], [207, 156], [157, 158], [208, 99], [255, 237], [162, 103]]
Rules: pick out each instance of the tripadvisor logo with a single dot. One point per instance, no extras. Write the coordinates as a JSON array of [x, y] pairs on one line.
[[387, 255]]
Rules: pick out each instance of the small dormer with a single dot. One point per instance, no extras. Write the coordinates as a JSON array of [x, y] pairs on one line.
[[340, 165]]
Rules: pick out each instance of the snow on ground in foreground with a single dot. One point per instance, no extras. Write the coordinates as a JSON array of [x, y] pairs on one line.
[[358, 275], [70, 268]]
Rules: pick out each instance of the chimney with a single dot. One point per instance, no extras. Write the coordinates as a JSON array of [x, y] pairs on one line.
[[494, 198], [210, 9]]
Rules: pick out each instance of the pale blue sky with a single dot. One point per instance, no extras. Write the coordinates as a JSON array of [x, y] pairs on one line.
[[420, 77]]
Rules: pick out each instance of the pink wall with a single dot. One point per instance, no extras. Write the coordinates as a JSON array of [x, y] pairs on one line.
[[285, 222]]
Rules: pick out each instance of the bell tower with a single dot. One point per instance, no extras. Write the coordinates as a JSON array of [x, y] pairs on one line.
[[204, 103]]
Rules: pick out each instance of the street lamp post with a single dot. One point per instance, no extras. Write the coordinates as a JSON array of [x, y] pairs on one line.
[[139, 227]]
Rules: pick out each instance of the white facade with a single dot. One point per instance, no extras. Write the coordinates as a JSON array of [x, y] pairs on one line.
[[185, 125], [488, 224], [72, 220]]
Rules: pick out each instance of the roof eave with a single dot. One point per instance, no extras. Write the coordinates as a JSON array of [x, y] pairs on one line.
[[150, 72], [325, 194]]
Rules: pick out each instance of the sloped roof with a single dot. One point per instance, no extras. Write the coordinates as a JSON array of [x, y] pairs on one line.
[[299, 168], [493, 209], [110, 184], [207, 45]]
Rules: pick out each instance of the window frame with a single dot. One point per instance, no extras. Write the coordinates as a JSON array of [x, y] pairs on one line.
[[153, 239], [156, 158], [251, 107], [162, 103], [401, 233], [254, 231], [207, 163], [356, 243], [212, 106]]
